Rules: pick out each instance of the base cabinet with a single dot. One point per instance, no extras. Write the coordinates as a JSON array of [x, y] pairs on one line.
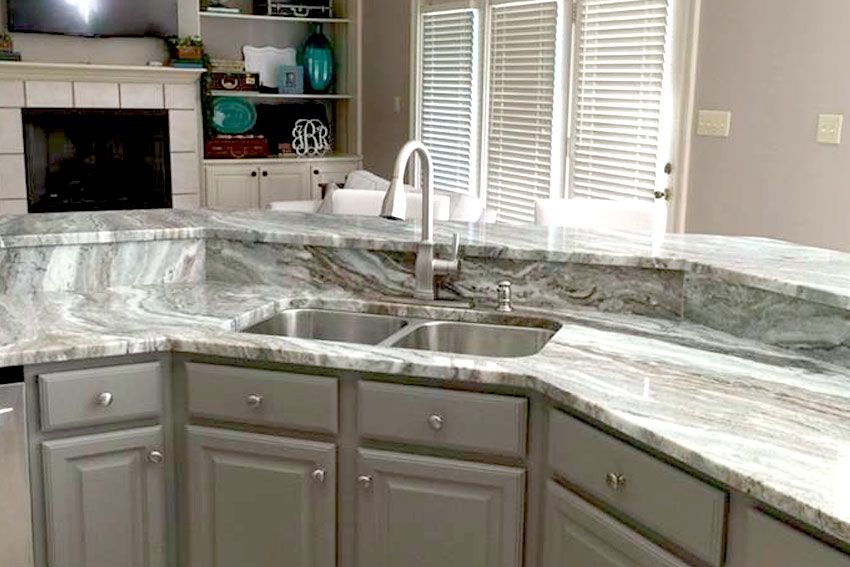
[[259, 500], [579, 535], [770, 543], [415, 511], [105, 500], [256, 184]]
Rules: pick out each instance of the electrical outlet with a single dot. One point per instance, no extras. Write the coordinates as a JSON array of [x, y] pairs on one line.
[[829, 128], [714, 123]]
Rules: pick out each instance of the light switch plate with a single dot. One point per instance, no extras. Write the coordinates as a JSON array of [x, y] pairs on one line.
[[714, 123], [829, 128]]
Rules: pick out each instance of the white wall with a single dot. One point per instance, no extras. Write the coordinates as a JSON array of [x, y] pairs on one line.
[[775, 64], [386, 76]]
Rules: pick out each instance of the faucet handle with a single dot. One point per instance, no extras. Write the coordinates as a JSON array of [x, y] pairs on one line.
[[449, 266]]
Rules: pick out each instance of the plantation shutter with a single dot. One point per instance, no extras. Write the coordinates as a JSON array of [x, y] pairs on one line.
[[521, 118], [449, 97], [621, 47]]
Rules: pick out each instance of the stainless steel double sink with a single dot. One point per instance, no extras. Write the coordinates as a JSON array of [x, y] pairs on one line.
[[456, 337]]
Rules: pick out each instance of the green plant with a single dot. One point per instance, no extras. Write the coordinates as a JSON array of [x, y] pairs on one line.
[[189, 41], [5, 42]]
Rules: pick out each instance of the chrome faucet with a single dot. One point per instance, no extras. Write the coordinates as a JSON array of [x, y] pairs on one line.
[[395, 207]]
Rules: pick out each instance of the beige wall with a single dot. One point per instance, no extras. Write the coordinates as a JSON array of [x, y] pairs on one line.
[[386, 75], [775, 64]]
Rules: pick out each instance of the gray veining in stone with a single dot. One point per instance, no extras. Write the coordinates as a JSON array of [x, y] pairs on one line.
[[766, 419]]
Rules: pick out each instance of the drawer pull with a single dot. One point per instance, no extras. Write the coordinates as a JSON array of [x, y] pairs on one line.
[[319, 475], [365, 481], [254, 400], [436, 422], [104, 399], [156, 457], [615, 481]]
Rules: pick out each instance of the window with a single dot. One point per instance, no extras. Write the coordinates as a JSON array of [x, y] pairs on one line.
[[618, 112], [517, 105], [521, 115], [449, 96]]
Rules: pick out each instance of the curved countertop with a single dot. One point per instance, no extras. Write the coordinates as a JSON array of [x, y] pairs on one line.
[[763, 420]]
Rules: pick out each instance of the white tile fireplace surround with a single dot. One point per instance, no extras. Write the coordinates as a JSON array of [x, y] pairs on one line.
[[49, 85]]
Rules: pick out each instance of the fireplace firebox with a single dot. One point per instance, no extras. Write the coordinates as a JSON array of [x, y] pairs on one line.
[[91, 160]]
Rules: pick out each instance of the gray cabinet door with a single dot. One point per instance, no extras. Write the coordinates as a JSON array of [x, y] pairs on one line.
[[579, 535], [415, 511], [105, 500], [260, 501], [770, 543]]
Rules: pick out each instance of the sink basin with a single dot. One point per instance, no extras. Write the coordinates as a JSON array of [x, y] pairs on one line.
[[476, 339], [340, 326]]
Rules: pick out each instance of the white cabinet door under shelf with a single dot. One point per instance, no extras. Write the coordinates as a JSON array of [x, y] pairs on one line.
[[284, 182], [232, 187]]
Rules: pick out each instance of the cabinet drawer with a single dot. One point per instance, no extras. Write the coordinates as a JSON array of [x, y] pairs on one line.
[[262, 397], [96, 396], [774, 544], [670, 502], [431, 416]]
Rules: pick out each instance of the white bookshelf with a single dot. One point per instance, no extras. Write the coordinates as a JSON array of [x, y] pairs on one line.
[[266, 97], [276, 19]]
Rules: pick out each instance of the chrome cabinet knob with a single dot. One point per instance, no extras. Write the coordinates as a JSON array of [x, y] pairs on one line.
[[156, 457], [365, 481], [436, 422], [319, 475], [615, 481], [504, 297], [254, 400], [104, 399]]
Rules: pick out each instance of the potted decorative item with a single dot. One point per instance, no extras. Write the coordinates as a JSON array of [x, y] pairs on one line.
[[318, 57], [190, 48], [7, 49], [6, 44]]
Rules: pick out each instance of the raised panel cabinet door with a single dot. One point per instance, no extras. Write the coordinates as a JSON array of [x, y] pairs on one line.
[[233, 187], [284, 182], [260, 501], [771, 543], [415, 511], [580, 535], [105, 499]]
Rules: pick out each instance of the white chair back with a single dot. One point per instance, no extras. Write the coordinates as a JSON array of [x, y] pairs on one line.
[[365, 202], [633, 216]]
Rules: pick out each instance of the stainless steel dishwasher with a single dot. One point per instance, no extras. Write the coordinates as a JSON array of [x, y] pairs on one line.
[[15, 512]]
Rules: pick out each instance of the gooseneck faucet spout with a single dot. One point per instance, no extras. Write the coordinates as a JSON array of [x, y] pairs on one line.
[[395, 207]]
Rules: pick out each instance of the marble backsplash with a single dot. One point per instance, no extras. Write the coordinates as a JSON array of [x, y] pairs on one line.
[[537, 284], [716, 302]]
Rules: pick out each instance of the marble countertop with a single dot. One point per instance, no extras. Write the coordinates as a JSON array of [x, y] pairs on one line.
[[813, 274], [762, 420]]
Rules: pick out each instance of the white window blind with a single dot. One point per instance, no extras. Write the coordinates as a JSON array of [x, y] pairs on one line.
[[449, 96], [521, 113], [621, 47]]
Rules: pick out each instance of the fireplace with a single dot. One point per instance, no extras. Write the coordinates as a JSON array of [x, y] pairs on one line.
[[89, 160]]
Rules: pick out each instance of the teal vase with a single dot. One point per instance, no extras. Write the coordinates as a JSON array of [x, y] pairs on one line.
[[318, 58]]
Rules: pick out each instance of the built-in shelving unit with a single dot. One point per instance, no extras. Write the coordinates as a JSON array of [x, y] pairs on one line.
[[281, 97], [277, 19]]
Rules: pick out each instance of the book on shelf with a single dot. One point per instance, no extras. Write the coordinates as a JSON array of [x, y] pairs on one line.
[[10, 56], [187, 64]]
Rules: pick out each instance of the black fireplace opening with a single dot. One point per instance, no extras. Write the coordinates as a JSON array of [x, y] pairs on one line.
[[97, 160]]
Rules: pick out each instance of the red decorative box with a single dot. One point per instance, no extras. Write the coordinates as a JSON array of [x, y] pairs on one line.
[[237, 147], [235, 81]]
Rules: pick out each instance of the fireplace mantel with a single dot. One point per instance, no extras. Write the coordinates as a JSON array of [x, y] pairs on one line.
[[23, 70]]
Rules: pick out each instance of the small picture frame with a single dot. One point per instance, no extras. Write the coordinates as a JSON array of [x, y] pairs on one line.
[[290, 79]]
